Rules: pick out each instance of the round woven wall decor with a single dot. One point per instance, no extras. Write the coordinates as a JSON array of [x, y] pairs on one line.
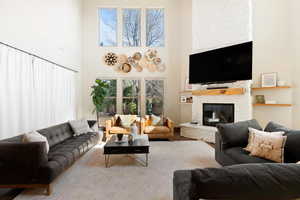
[[110, 59]]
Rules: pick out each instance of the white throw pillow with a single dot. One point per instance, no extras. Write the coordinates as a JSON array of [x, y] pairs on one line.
[[156, 120], [253, 132], [80, 127], [34, 136]]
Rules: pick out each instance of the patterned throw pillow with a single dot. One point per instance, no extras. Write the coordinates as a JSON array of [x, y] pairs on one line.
[[269, 147], [80, 127], [156, 120], [34, 136], [253, 131], [127, 120]]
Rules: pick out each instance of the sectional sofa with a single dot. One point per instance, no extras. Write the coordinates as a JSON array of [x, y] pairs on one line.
[[27, 165], [243, 177]]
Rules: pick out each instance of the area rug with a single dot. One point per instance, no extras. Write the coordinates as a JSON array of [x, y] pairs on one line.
[[127, 178]]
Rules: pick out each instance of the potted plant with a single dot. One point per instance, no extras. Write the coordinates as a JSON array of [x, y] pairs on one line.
[[98, 94]]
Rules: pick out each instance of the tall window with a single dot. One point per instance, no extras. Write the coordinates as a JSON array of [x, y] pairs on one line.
[[155, 31], [131, 97], [131, 27], [110, 102], [154, 97], [108, 27]]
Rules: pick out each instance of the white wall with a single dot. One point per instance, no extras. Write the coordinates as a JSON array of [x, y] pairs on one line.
[[48, 28], [209, 24], [93, 54], [272, 54], [295, 52]]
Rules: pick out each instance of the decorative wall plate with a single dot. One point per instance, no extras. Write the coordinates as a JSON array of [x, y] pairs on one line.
[[138, 68], [151, 54], [157, 61], [110, 59], [152, 67], [126, 68], [132, 61], [143, 63], [137, 56], [122, 59]]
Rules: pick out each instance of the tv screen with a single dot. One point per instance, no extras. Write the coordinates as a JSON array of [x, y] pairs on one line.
[[222, 65]]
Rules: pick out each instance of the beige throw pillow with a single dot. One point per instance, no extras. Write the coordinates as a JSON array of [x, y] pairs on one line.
[[34, 136], [270, 147], [253, 131], [127, 120], [156, 120]]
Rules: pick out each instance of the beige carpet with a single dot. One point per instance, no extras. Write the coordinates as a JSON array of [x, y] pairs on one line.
[[88, 179]]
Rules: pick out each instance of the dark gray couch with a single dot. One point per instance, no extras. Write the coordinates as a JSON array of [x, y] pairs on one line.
[[27, 165], [244, 176]]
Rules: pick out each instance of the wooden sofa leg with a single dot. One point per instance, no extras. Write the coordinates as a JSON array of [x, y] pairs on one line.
[[49, 190]]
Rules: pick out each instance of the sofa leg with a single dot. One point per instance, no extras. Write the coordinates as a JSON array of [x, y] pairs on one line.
[[48, 190]]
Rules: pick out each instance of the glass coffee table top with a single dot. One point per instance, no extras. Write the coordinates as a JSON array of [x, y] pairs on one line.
[[140, 145]]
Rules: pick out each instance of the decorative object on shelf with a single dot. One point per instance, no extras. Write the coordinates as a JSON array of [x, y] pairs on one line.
[[260, 99], [189, 99], [269, 79], [188, 86], [183, 99], [110, 59], [137, 56], [281, 83], [126, 68]]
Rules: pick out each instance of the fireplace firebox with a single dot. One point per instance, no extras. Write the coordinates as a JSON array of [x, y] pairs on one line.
[[215, 113]]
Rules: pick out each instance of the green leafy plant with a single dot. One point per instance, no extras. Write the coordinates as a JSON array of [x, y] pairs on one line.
[[98, 94]]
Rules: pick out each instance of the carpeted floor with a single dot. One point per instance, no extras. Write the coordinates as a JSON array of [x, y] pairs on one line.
[[88, 179]]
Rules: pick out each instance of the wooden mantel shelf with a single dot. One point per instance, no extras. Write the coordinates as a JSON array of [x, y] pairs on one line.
[[229, 91]]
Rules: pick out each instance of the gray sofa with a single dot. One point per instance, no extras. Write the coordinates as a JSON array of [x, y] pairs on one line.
[[243, 176], [27, 165]]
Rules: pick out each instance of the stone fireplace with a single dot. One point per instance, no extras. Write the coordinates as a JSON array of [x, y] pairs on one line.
[[215, 113]]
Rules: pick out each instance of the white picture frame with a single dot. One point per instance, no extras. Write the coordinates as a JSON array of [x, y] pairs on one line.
[[269, 79], [183, 99]]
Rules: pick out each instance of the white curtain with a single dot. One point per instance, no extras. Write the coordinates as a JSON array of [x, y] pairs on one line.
[[34, 94]]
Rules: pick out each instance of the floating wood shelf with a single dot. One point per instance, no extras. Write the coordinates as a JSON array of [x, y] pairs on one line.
[[186, 91], [271, 88], [229, 91], [278, 105]]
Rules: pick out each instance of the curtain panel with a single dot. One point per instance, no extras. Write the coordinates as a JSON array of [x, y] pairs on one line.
[[34, 94]]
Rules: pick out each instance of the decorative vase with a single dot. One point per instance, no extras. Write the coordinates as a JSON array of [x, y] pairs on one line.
[[134, 130], [120, 137], [130, 139]]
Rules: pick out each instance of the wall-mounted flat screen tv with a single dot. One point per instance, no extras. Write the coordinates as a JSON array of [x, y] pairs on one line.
[[228, 64]]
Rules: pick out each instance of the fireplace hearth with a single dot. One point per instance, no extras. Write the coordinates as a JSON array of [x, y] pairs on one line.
[[215, 113]]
